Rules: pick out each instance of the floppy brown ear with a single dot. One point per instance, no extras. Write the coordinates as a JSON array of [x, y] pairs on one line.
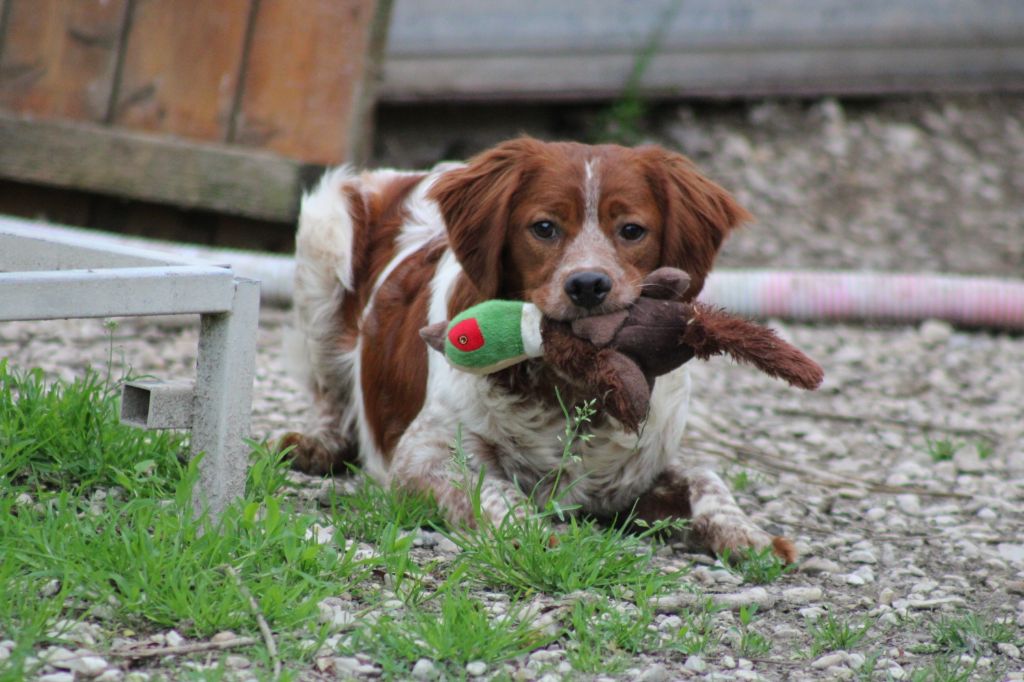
[[698, 214], [475, 202]]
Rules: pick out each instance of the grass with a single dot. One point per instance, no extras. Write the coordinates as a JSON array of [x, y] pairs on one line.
[[96, 524], [697, 635], [622, 122], [751, 643], [969, 633], [757, 566], [942, 449], [453, 630], [370, 510], [949, 669], [67, 436], [832, 633], [96, 520]]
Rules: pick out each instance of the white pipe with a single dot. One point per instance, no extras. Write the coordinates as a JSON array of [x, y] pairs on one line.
[[796, 295]]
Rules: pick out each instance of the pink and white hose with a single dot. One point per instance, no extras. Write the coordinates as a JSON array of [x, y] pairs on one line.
[[869, 296]]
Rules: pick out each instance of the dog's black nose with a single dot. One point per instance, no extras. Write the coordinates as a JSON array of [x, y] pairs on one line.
[[588, 289]]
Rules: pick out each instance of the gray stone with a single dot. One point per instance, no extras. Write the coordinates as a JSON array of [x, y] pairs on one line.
[[345, 666], [424, 670], [754, 595], [862, 556], [654, 673], [1007, 649], [56, 677], [110, 675], [830, 660], [816, 565], [696, 664], [85, 665], [476, 668], [802, 595]]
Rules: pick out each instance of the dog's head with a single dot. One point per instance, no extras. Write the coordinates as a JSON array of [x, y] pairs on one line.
[[575, 228]]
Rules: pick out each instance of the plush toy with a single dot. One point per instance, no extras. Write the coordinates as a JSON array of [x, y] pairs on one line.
[[618, 355]]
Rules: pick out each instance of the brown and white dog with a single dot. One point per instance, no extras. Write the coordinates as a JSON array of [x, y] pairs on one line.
[[572, 228]]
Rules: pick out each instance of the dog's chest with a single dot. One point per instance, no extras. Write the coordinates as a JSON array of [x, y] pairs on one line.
[[602, 469]]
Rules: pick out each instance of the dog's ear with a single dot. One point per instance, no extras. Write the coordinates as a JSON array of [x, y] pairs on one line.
[[697, 214], [475, 202]]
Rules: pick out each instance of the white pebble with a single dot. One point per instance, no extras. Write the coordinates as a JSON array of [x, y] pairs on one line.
[[56, 677], [1007, 649], [476, 668], [87, 666], [802, 595], [816, 565], [696, 664], [654, 673], [830, 660], [875, 514], [863, 556], [424, 670]]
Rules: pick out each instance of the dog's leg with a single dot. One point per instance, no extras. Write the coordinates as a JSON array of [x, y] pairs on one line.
[[716, 521], [321, 348], [425, 461], [328, 445]]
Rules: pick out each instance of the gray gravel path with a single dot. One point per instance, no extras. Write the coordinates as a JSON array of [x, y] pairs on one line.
[[888, 534]]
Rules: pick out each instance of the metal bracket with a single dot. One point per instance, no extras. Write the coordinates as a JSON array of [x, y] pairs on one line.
[[158, 404]]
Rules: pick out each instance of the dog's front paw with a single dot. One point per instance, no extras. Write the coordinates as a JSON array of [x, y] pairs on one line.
[[721, 533], [310, 456]]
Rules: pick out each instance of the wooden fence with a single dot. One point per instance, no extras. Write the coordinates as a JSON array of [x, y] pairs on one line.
[[211, 104]]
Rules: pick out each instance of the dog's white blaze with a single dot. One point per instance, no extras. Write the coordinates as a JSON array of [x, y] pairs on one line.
[[591, 195]]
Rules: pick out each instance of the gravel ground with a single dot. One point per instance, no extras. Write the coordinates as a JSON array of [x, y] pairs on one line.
[[886, 533]]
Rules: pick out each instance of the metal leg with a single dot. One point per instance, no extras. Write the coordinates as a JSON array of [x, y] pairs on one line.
[[223, 398]]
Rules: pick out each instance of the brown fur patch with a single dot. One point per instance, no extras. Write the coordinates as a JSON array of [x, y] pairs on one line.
[[668, 497], [698, 214], [310, 456], [393, 365]]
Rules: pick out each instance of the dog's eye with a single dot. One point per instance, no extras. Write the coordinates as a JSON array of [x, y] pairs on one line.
[[632, 232], [544, 229]]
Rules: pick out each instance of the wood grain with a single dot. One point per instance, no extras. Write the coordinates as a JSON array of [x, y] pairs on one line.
[[150, 167], [59, 57], [304, 77], [181, 67]]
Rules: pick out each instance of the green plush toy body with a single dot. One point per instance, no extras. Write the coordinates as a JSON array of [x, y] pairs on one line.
[[490, 336]]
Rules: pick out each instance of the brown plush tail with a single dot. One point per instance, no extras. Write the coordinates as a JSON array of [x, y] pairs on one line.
[[714, 331]]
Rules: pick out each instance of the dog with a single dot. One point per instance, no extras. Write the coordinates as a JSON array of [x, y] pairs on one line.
[[570, 227]]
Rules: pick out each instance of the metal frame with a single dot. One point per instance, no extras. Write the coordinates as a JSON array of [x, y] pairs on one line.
[[45, 274]]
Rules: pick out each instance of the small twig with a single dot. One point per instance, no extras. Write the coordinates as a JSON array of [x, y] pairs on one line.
[[184, 648], [978, 431], [268, 637]]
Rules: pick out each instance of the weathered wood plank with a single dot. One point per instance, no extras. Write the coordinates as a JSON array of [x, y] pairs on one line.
[[471, 49], [59, 57], [150, 167], [181, 67], [748, 73], [304, 76]]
